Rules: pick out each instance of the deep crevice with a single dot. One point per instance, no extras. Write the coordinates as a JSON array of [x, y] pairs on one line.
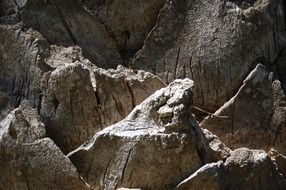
[[132, 95], [126, 54], [125, 165], [280, 67]]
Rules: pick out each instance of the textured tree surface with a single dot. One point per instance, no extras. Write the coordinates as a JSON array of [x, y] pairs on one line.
[[158, 136], [243, 169], [142, 94]]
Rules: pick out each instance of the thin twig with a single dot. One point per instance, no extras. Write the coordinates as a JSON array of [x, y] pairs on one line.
[[209, 113]]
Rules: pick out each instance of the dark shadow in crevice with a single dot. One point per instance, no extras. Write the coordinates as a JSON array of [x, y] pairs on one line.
[[279, 68], [128, 40], [67, 24], [284, 12], [125, 52], [9, 12], [63, 24]]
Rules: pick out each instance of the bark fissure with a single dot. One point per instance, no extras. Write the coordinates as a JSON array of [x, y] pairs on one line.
[[177, 62], [131, 94]]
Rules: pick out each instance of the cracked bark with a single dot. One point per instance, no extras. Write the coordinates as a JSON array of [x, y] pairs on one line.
[[118, 107], [131, 93], [177, 61], [125, 164], [105, 171]]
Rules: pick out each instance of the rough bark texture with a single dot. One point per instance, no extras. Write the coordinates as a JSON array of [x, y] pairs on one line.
[[30, 160], [79, 100], [216, 43], [105, 94], [255, 114], [128, 22], [69, 25], [243, 169], [21, 58], [158, 136]]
